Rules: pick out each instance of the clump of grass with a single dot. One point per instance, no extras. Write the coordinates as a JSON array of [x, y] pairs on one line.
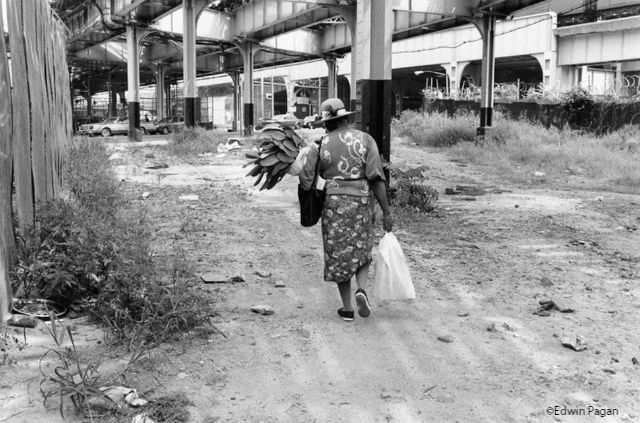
[[410, 190], [521, 148], [93, 245], [192, 141], [435, 129]]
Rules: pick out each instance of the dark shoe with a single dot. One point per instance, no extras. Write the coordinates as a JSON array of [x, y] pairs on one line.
[[347, 316], [364, 308]]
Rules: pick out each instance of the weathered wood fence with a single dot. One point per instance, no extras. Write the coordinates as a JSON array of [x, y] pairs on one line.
[[35, 121]]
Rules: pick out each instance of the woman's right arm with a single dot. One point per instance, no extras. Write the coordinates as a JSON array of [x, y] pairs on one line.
[[380, 191]]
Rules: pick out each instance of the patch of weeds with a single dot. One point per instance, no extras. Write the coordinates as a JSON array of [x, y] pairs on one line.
[[170, 408], [10, 342], [141, 308], [520, 148], [410, 190], [435, 129], [76, 382], [193, 141]]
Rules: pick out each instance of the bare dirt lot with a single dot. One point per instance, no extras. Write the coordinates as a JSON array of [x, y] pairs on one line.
[[480, 266]]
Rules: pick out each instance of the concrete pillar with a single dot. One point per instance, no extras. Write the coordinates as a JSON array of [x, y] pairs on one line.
[[160, 103], [291, 94], [235, 80], [618, 83], [167, 103], [248, 51], [332, 72], [189, 62], [133, 83], [548, 64], [89, 94], [488, 31], [113, 97], [373, 61]]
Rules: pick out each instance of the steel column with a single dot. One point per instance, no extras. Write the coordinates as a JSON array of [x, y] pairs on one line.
[[89, 98], [133, 83], [189, 60], [160, 106], [248, 51], [332, 79], [373, 59], [235, 78], [488, 25]]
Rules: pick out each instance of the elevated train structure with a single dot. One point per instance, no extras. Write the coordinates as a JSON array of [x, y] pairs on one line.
[[234, 61]]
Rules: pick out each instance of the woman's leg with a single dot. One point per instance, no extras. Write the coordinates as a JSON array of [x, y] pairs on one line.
[[362, 276], [345, 295]]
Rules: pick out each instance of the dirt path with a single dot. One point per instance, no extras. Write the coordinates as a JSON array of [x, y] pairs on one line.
[[476, 265]]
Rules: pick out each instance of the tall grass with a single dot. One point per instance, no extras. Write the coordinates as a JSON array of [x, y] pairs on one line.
[[434, 129], [192, 141], [95, 244], [519, 148]]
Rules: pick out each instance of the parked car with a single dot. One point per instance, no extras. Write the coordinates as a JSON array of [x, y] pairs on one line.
[[308, 121], [114, 126], [170, 124]]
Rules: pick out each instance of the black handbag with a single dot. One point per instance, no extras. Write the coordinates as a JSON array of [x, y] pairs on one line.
[[311, 200]]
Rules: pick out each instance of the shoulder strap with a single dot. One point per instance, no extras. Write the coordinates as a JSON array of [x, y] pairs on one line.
[[315, 176]]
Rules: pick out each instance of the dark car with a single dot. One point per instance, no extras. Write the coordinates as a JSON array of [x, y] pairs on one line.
[[170, 124]]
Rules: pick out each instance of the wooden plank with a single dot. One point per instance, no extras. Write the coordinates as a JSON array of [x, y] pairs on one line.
[[7, 241], [30, 16], [21, 117]]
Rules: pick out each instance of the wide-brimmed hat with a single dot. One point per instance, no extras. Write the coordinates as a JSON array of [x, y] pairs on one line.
[[333, 108]]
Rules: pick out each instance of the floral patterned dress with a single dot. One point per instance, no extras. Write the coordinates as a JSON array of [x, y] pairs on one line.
[[349, 161]]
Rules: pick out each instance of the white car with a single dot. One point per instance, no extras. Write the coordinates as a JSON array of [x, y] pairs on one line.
[[113, 126]]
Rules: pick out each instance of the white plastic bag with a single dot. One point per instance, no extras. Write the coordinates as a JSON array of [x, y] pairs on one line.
[[393, 281]]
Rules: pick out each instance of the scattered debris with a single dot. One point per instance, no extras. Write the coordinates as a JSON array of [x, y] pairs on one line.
[[575, 343], [262, 309], [192, 197], [473, 190], [304, 332], [263, 274], [231, 144], [22, 321], [546, 306], [445, 338], [155, 165], [395, 395], [142, 418], [546, 282], [212, 277], [118, 397]]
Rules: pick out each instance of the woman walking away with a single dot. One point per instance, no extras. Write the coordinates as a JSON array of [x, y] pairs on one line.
[[350, 164]]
